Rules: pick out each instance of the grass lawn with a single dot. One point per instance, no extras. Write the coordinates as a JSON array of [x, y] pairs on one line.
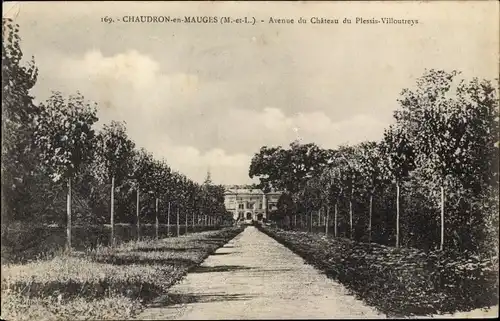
[[23, 242], [399, 282], [103, 283]]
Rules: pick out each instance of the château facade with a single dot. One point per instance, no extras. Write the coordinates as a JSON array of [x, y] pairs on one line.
[[249, 203]]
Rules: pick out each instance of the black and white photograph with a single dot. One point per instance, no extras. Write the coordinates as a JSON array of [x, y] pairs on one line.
[[237, 160]]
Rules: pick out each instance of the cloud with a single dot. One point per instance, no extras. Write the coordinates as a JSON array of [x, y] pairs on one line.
[[132, 67], [225, 168], [128, 86], [131, 86], [195, 124], [129, 74], [258, 128]]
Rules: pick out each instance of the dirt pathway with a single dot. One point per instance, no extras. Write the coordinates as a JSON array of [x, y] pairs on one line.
[[255, 277]]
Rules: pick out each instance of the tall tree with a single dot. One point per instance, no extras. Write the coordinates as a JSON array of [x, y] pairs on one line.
[[371, 170], [445, 118], [66, 139], [142, 170], [398, 160], [288, 169], [19, 159], [334, 181], [349, 171], [116, 151]]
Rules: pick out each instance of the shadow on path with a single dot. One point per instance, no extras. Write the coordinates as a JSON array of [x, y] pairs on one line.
[[169, 249], [219, 268], [128, 260], [186, 298]]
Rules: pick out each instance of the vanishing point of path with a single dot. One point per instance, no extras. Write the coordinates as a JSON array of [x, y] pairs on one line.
[[255, 277]]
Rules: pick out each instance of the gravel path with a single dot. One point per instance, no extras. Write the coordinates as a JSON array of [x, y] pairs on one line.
[[255, 277]]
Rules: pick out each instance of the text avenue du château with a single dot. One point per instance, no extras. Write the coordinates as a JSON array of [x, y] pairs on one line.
[[357, 20]]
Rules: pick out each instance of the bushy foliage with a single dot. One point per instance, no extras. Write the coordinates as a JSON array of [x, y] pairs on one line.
[[19, 155], [437, 164]]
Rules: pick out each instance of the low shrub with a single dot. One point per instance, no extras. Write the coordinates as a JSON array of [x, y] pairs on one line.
[[399, 281]]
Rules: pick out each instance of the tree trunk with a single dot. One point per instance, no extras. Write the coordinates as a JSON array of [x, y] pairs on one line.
[[112, 219], [186, 228], [294, 221], [194, 221], [327, 219], [157, 222], [68, 213], [397, 214], [178, 223], [350, 218], [138, 218], [335, 219], [168, 220], [370, 220], [441, 246], [311, 215]]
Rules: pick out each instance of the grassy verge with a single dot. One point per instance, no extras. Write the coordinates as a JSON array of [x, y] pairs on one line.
[[103, 283], [23, 242], [399, 282]]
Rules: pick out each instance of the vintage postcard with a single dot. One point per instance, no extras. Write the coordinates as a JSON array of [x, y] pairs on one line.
[[249, 160]]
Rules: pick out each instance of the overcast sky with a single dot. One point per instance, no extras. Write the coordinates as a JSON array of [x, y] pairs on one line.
[[208, 96]]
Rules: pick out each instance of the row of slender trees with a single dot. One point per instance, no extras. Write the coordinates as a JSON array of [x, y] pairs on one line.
[[53, 154], [430, 182]]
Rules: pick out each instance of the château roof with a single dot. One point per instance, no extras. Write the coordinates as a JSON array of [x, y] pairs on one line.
[[247, 191]]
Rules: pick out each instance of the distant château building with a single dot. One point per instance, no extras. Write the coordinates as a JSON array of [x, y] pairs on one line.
[[247, 203]]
